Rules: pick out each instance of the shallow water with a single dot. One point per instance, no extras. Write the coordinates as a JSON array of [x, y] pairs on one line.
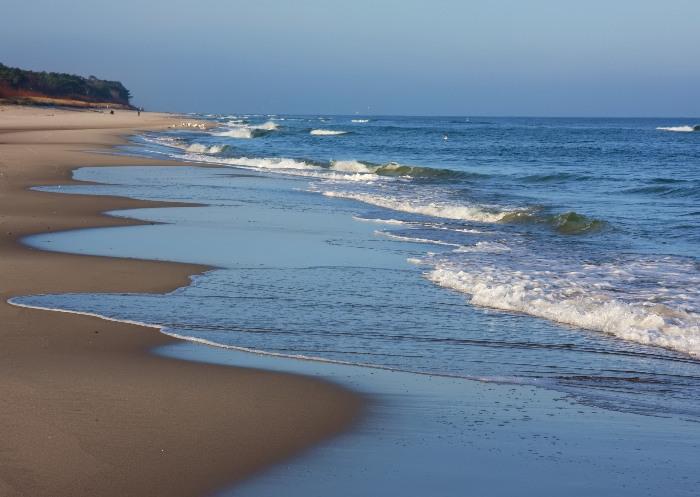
[[427, 435], [302, 276]]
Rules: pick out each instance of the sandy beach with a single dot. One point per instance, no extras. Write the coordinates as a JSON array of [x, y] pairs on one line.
[[85, 408]]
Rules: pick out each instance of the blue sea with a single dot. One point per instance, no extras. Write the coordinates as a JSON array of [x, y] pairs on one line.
[[552, 253]]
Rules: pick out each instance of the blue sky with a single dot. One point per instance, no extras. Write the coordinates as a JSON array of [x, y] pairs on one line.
[[413, 57]]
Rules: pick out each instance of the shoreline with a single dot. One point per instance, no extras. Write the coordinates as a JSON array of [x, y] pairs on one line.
[[87, 408]]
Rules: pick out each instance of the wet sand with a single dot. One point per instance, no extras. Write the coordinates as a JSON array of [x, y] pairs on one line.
[[85, 407]]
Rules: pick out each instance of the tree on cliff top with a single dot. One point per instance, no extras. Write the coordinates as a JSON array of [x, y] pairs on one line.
[[61, 85]]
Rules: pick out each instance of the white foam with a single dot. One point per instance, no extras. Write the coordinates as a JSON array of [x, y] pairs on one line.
[[282, 165], [241, 131], [327, 132], [271, 163], [458, 212], [682, 129], [393, 166], [198, 148], [565, 300], [268, 126], [484, 247], [238, 129], [384, 221], [349, 166], [415, 239]]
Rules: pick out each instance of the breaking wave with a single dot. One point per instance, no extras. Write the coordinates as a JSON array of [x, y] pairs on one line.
[[238, 129], [596, 298], [416, 206], [568, 223], [682, 129], [327, 132], [198, 148]]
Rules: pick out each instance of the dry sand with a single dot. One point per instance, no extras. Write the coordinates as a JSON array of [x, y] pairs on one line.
[[84, 408]]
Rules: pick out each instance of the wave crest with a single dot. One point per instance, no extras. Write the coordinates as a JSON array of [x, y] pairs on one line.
[[238, 129], [656, 325], [681, 129], [432, 209], [571, 223], [327, 132], [349, 166], [567, 223], [198, 148]]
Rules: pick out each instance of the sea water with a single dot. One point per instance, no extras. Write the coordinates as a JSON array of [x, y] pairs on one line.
[[560, 253]]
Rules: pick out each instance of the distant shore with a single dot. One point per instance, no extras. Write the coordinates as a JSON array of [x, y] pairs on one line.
[[86, 409]]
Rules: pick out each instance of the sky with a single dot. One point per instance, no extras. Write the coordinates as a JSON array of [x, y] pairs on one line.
[[601, 58]]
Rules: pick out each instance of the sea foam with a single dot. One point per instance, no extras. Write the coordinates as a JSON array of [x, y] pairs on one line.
[[594, 297], [241, 131], [349, 166], [415, 206], [327, 132], [238, 129], [198, 148], [682, 129]]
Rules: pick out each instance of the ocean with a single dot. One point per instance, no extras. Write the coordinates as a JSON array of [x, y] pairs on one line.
[[550, 253]]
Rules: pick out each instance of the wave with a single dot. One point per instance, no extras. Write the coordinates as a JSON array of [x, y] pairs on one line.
[[682, 129], [235, 132], [345, 171], [567, 223], [468, 121], [656, 325], [629, 296], [238, 129], [350, 166], [271, 163], [327, 132], [573, 223], [397, 169], [268, 126], [198, 148], [391, 169], [194, 148], [416, 206], [683, 190], [556, 177]]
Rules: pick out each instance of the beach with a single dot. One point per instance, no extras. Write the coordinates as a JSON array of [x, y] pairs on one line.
[[509, 324], [86, 408]]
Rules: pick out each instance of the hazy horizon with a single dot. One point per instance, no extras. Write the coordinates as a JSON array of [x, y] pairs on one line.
[[444, 57]]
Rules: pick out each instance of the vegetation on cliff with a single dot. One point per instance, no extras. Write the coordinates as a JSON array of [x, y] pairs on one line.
[[18, 84]]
